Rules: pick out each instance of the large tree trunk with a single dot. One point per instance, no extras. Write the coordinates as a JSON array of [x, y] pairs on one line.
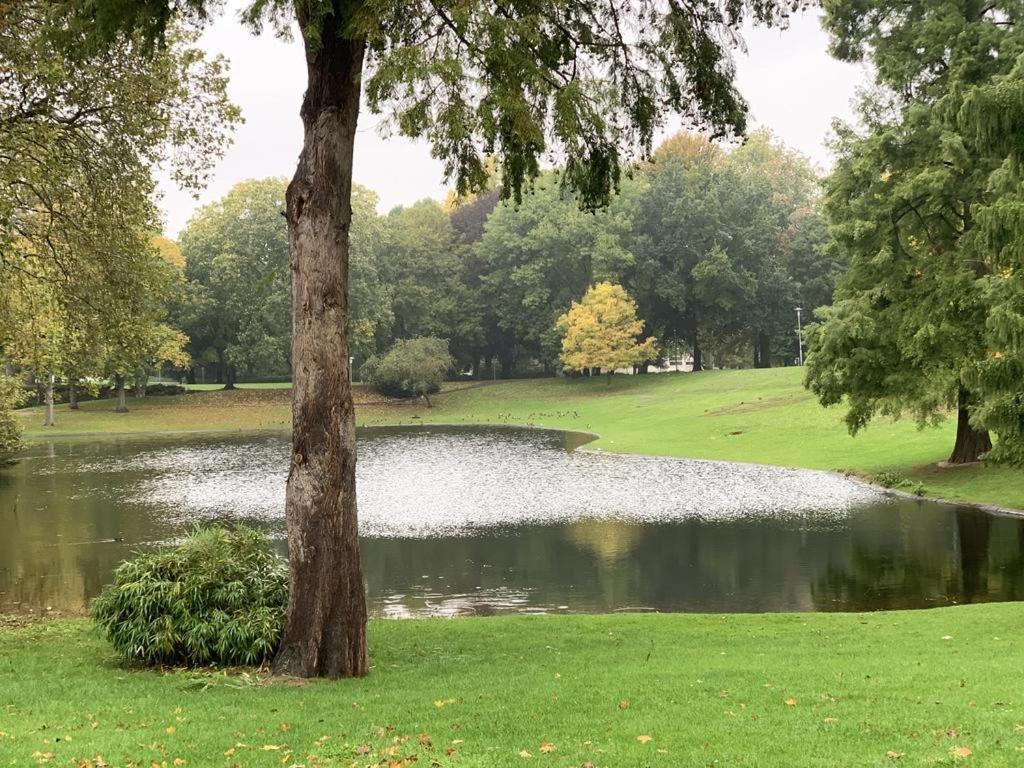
[[121, 406], [48, 420], [325, 630], [970, 443], [229, 377], [72, 395]]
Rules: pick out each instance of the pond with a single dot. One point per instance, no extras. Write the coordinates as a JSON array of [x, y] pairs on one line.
[[461, 520]]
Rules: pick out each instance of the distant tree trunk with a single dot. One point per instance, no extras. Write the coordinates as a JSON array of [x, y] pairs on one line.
[[427, 398], [140, 384], [698, 355], [970, 443], [122, 406], [48, 421], [608, 378], [325, 628], [72, 395], [229, 377], [190, 375], [507, 362], [762, 350]]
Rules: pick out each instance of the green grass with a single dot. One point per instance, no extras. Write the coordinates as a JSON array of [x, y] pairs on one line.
[[741, 690], [753, 415]]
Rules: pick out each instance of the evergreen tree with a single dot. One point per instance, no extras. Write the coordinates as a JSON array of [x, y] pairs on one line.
[[907, 332]]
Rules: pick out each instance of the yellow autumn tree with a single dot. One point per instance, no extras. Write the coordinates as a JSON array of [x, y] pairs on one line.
[[603, 331]]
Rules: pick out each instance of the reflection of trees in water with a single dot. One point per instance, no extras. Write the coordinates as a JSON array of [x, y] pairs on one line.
[[982, 560], [51, 522]]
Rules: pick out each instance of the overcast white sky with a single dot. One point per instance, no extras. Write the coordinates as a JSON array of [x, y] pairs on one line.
[[793, 87]]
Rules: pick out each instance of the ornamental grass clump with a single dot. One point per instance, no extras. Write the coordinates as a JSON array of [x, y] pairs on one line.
[[219, 597]]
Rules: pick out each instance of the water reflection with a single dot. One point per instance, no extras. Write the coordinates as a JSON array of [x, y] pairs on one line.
[[481, 521]]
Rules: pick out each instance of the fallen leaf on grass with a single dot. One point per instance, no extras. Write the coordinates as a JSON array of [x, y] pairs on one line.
[[624, 704], [893, 754], [962, 752], [791, 702], [547, 747], [643, 738], [362, 749], [524, 753]]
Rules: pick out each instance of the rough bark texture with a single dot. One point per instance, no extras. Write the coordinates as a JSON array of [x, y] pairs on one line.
[[325, 630], [970, 443], [48, 420], [121, 406], [73, 396], [229, 377]]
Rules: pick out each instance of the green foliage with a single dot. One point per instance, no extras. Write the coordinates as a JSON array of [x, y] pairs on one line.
[[724, 244], [219, 597], [895, 479], [12, 394], [411, 368], [589, 81], [918, 202]]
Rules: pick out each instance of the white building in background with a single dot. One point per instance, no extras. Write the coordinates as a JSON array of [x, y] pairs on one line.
[[674, 362]]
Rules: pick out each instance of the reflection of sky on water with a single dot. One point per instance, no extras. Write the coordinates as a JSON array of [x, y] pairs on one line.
[[483, 520], [423, 483]]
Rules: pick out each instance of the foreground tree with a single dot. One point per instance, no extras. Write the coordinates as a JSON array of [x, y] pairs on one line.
[[602, 331], [908, 329], [595, 78]]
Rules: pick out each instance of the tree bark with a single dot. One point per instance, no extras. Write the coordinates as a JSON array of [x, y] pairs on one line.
[[229, 377], [121, 406], [48, 421], [325, 629], [72, 395], [762, 350], [698, 355], [970, 443]]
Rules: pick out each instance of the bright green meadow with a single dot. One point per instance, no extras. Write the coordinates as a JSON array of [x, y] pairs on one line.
[[928, 688]]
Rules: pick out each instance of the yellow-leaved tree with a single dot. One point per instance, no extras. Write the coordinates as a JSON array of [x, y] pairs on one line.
[[603, 331]]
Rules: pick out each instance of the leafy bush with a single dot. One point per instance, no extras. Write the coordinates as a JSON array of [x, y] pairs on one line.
[[11, 396], [894, 479], [411, 368], [219, 597]]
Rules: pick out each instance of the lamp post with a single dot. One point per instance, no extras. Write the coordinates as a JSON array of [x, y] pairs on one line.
[[800, 334]]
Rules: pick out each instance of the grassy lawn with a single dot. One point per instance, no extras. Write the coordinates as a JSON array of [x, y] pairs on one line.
[[753, 415], [904, 688]]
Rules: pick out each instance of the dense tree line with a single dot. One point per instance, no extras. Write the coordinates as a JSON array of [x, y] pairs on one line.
[[718, 247]]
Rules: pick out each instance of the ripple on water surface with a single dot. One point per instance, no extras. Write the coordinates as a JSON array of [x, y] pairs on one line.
[[422, 482]]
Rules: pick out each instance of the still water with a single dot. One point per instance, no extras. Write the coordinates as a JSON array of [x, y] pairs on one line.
[[474, 521]]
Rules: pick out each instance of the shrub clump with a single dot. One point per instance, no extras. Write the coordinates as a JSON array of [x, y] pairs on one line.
[[219, 597], [411, 368]]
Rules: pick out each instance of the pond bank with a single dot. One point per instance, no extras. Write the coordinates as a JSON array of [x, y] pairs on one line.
[[755, 416]]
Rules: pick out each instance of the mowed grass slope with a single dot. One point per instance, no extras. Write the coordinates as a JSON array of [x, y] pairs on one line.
[[932, 688], [761, 416]]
